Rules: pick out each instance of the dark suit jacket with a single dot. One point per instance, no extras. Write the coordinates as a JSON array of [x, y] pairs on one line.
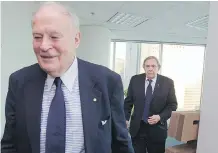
[[24, 102], [163, 103]]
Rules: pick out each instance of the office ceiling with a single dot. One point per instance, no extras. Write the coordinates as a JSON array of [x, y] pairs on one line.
[[165, 21]]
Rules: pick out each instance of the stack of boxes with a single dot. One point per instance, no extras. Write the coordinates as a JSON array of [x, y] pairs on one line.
[[184, 127]]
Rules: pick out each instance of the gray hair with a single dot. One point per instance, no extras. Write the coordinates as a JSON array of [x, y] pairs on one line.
[[152, 57], [71, 14]]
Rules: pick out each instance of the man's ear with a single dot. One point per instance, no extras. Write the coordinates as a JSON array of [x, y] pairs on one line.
[[77, 39], [159, 67]]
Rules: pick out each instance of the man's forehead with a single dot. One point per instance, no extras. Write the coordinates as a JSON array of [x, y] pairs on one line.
[[47, 14], [53, 15], [50, 19], [151, 61], [51, 25]]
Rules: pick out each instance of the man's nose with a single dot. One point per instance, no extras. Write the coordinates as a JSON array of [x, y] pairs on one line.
[[45, 45], [150, 68]]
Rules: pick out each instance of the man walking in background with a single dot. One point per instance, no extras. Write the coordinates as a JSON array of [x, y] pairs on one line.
[[153, 97]]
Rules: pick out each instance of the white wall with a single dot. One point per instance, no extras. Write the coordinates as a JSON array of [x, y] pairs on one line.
[[208, 133], [95, 45], [16, 51]]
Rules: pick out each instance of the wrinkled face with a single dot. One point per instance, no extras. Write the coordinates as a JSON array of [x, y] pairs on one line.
[[54, 41], [151, 68]]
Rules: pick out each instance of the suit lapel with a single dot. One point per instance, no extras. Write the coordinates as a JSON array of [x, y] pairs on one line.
[[157, 87], [142, 86], [90, 98], [33, 94]]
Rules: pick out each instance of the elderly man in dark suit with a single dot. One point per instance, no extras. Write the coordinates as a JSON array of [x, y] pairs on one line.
[[63, 104], [153, 98]]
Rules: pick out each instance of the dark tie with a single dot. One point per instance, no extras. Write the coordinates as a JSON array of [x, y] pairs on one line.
[[56, 124], [148, 97]]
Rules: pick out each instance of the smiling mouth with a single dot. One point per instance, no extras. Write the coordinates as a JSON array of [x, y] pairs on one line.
[[47, 57]]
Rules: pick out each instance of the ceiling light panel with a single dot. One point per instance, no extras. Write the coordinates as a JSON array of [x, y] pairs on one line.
[[127, 19], [200, 23]]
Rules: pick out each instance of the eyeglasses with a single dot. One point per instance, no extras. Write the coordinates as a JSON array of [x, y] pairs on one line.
[[152, 66]]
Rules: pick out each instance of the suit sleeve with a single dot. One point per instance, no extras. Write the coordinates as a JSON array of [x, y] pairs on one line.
[[7, 142], [121, 141], [128, 103], [171, 104]]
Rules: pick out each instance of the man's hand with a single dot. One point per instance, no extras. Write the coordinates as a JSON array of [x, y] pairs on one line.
[[153, 119], [127, 124]]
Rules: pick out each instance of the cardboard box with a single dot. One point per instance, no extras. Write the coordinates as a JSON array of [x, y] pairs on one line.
[[184, 125], [183, 148]]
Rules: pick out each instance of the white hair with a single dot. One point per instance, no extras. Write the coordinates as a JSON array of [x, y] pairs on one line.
[[71, 14]]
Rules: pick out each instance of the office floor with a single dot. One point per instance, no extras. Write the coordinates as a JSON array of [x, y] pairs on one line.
[[172, 142]]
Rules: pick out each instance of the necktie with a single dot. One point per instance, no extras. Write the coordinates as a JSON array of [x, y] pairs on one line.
[[56, 124], [148, 97]]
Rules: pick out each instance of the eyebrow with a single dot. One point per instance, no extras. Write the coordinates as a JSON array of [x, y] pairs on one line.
[[36, 33], [51, 33]]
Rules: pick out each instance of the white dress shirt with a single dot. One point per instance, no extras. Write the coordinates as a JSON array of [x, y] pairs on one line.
[[74, 126], [152, 83]]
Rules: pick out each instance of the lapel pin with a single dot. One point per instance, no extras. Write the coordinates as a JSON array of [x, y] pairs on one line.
[[94, 99]]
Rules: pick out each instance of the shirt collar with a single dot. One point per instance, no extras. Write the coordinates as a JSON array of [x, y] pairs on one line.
[[67, 78], [153, 80]]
